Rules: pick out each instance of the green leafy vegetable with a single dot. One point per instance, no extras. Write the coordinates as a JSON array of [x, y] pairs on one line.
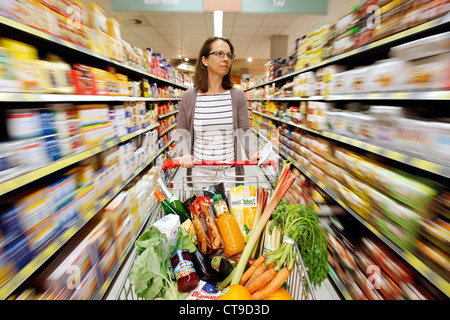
[[300, 223], [184, 241], [152, 272]]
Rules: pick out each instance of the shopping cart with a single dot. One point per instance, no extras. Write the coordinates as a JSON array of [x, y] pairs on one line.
[[298, 283]]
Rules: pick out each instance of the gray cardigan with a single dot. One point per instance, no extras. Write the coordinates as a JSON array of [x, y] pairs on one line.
[[184, 135]]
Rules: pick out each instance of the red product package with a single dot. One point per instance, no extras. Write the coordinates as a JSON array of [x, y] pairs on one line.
[[83, 79], [208, 236]]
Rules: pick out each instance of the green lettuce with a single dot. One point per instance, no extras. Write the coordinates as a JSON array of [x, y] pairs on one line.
[[184, 241], [152, 274]]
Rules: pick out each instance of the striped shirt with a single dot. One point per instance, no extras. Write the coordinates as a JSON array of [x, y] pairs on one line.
[[213, 127]]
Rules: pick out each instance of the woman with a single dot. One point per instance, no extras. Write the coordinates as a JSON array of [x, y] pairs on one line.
[[213, 116]]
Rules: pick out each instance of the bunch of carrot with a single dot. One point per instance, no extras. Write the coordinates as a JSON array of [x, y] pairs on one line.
[[261, 280], [266, 207]]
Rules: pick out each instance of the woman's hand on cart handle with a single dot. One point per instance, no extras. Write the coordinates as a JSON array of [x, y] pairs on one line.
[[187, 161], [256, 156]]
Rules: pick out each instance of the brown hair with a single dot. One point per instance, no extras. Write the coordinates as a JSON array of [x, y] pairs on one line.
[[201, 72]]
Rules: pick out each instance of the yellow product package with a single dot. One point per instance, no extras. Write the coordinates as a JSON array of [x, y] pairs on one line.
[[243, 207]]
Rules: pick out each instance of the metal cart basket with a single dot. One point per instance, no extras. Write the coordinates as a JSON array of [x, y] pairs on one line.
[[298, 283]]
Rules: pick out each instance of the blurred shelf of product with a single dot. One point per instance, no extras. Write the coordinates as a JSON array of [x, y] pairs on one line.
[[86, 122], [396, 95], [363, 115], [100, 40], [349, 39], [398, 152]]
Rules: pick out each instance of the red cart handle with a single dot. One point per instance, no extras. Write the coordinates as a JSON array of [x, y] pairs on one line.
[[174, 163]]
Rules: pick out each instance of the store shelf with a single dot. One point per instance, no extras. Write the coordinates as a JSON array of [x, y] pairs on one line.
[[68, 45], [60, 241], [339, 284], [52, 97], [112, 274], [166, 130], [387, 41], [423, 163], [423, 269], [371, 96], [394, 95], [24, 178], [167, 114]]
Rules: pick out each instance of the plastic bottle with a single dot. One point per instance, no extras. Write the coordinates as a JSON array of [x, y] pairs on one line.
[[172, 199], [228, 227], [168, 208]]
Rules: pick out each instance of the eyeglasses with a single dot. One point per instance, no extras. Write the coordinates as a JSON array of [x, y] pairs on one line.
[[221, 55]]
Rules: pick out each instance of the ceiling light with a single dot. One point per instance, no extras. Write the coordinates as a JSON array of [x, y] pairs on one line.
[[186, 67], [249, 59], [218, 20], [134, 21]]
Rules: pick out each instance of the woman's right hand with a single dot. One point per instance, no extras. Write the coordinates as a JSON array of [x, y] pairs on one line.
[[187, 161]]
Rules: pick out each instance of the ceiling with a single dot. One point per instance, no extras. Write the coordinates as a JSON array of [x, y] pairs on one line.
[[176, 34]]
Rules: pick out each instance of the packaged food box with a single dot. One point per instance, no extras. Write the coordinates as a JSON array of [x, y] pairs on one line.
[[388, 75], [424, 47], [168, 225], [87, 287], [428, 73], [83, 79], [97, 18], [208, 236], [116, 211], [243, 207], [406, 188], [397, 234], [123, 236]]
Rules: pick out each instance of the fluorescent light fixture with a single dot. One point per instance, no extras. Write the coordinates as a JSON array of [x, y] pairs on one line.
[[218, 21], [249, 59], [186, 67]]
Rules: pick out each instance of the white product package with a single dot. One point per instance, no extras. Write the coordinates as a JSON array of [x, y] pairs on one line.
[[204, 291], [169, 226]]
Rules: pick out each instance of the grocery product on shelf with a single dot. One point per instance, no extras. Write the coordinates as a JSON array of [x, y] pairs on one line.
[[381, 196], [365, 268], [77, 157], [95, 250], [23, 71]]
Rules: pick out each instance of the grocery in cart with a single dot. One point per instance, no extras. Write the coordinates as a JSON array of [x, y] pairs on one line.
[[239, 243]]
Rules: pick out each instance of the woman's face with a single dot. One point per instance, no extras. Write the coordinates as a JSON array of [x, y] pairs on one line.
[[215, 64]]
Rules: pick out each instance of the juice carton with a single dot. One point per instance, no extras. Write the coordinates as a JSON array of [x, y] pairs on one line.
[[243, 207]]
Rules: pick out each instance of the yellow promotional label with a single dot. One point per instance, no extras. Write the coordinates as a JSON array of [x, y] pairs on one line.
[[426, 165], [395, 155]]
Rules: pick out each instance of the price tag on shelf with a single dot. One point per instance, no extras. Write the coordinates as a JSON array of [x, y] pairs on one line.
[[400, 95], [395, 155], [69, 233], [321, 185], [374, 96], [427, 165], [374, 149]]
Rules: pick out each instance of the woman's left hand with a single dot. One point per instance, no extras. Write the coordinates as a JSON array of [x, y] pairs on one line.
[[255, 156]]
